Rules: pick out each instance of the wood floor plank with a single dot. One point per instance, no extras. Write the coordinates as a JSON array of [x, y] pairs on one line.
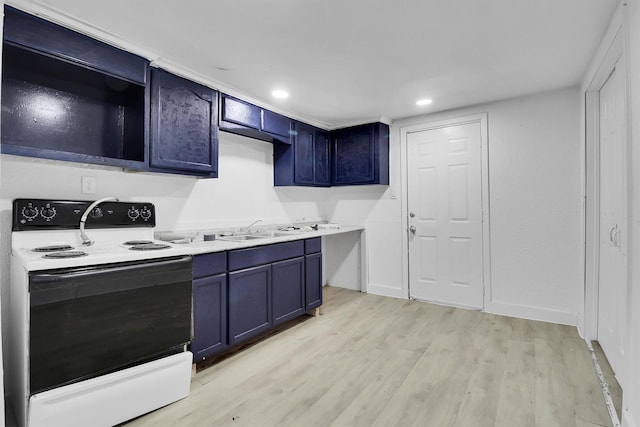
[[376, 361], [585, 388], [479, 403], [553, 402], [615, 391], [516, 397], [364, 408]]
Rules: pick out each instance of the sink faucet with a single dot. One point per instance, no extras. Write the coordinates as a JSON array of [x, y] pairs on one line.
[[85, 240], [241, 229]]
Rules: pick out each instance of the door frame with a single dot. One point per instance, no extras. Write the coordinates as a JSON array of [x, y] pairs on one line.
[[484, 170], [615, 53]]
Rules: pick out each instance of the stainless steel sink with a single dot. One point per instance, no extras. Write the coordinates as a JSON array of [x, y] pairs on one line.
[[242, 237], [252, 236], [275, 233]]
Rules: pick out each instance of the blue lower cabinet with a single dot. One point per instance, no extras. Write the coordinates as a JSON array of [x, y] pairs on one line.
[[313, 281], [242, 293], [287, 284], [209, 316], [249, 303]]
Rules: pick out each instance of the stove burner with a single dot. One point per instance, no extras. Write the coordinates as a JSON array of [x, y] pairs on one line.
[[148, 247], [137, 242], [52, 248], [70, 254]]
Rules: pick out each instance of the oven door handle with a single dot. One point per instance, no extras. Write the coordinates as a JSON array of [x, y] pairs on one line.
[[51, 287]]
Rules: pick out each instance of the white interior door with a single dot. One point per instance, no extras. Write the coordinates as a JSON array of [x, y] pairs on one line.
[[612, 278], [444, 184]]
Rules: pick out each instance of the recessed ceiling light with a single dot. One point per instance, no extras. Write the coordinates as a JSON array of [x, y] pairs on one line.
[[425, 101], [280, 94]]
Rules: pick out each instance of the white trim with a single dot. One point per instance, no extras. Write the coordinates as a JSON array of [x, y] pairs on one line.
[[611, 55], [610, 51], [385, 291], [486, 243], [532, 313]]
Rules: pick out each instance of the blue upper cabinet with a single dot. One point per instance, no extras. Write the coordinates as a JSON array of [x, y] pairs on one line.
[[351, 156], [28, 31], [360, 155], [66, 96], [306, 161], [184, 135], [242, 118]]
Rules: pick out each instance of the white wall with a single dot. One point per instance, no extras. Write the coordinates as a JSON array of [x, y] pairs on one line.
[[535, 187], [243, 193]]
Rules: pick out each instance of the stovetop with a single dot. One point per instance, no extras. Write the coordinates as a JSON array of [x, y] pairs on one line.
[[45, 234]]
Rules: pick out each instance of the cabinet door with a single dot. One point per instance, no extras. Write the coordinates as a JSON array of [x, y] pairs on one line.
[[240, 112], [304, 154], [249, 303], [313, 281], [69, 97], [183, 130], [321, 158], [36, 34], [276, 124], [353, 155], [209, 316], [287, 284]]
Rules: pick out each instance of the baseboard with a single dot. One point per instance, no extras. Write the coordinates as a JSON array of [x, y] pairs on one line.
[[343, 286], [533, 313], [385, 291]]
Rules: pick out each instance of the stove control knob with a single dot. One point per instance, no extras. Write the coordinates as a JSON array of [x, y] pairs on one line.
[[29, 212], [96, 213], [133, 213], [48, 212], [146, 213]]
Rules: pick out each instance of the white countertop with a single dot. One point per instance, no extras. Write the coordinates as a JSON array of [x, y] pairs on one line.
[[202, 247]]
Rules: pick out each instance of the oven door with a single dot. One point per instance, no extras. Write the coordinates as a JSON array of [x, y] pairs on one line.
[[85, 322]]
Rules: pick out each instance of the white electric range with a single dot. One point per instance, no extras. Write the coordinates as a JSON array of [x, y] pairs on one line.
[[100, 313]]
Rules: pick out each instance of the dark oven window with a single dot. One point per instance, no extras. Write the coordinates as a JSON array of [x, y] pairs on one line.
[[90, 321]]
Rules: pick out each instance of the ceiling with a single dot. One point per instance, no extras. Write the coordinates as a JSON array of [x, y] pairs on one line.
[[349, 61]]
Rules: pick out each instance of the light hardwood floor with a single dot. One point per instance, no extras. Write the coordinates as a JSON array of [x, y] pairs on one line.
[[376, 361]]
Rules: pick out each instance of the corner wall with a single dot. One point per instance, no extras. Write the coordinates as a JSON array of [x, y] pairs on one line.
[[535, 202]]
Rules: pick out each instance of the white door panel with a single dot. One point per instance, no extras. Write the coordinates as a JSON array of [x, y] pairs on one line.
[[445, 207], [613, 220]]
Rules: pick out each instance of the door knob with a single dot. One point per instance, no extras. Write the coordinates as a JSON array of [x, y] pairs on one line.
[[613, 235], [412, 229], [412, 215]]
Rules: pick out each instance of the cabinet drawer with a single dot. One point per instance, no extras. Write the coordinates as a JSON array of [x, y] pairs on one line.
[[312, 246], [245, 258], [209, 264]]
